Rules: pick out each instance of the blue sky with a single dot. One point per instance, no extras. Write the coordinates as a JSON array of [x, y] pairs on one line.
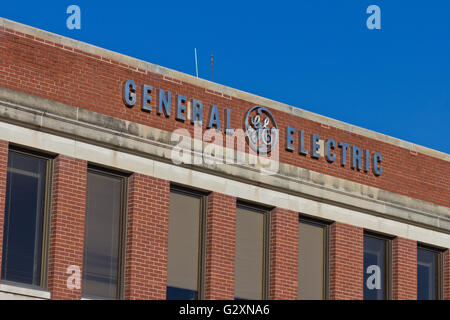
[[317, 55]]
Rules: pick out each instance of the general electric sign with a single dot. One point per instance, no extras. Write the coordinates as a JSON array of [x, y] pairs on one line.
[[259, 128]]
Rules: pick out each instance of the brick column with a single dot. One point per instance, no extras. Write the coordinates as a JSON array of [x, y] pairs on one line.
[[220, 247], [283, 254], [346, 262], [446, 257], [404, 269], [67, 224], [147, 238], [3, 169]]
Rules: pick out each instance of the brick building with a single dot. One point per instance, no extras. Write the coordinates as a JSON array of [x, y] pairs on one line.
[[93, 203]]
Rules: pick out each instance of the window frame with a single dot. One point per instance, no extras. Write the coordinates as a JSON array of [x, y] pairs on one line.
[[388, 281], [439, 268], [201, 270], [326, 240], [46, 216], [120, 292], [266, 212]]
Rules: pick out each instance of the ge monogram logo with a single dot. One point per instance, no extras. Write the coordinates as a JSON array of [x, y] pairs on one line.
[[261, 129]]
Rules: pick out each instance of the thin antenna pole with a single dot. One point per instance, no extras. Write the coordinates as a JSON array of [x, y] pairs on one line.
[[212, 67], [196, 65]]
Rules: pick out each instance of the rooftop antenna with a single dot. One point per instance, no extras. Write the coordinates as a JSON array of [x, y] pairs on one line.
[[196, 65], [212, 67]]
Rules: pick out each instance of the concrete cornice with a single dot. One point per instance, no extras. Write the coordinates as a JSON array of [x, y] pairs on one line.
[[117, 134], [142, 66]]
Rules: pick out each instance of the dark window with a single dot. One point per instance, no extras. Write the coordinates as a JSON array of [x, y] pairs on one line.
[[25, 219], [184, 272], [251, 254], [428, 274], [376, 267], [312, 260], [103, 234]]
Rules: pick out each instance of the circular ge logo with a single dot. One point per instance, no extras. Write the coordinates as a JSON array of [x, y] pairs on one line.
[[261, 129]]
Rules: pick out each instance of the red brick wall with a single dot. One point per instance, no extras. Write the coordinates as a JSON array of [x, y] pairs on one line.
[[67, 224], [147, 237], [404, 269], [3, 169], [346, 262], [283, 254], [77, 78], [220, 246], [447, 275]]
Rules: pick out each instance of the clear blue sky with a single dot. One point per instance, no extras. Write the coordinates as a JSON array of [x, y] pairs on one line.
[[317, 55]]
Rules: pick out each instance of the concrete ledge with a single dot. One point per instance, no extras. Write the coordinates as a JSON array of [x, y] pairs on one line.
[[13, 292], [139, 65], [98, 129]]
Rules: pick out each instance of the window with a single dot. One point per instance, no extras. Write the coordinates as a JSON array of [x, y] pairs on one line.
[[429, 273], [186, 245], [312, 260], [104, 234], [377, 267], [251, 264], [25, 230]]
